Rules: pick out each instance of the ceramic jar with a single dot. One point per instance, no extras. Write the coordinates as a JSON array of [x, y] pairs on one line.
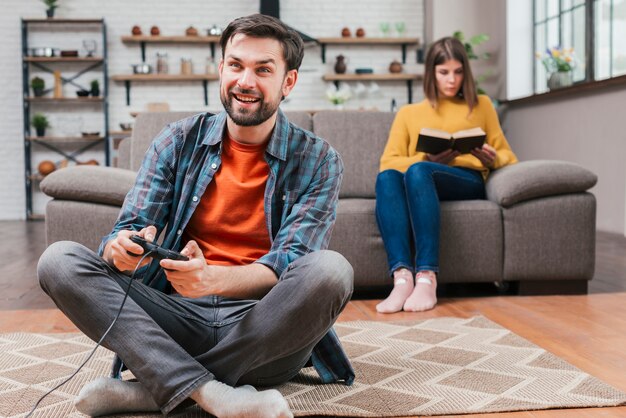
[[395, 67], [340, 65]]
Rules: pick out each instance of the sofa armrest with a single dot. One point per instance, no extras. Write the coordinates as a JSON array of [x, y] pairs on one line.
[[94, 184], [538, 178]]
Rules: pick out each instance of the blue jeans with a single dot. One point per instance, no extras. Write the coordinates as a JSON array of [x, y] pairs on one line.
[[407, 210]]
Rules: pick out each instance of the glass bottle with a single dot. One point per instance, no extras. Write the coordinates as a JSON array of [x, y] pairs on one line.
[[162, 65], [211, 66], [186, 66]]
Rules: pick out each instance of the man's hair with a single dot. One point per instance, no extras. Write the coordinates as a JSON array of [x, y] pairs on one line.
[[262, 26], [445, 49]]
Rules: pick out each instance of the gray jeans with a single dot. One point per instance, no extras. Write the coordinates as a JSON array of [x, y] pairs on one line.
[[173, 344]]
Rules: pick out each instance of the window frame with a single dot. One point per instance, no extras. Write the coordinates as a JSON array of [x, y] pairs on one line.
[[590, 36]]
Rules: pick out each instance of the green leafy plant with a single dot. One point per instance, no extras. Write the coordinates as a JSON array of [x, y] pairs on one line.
[[37, 83], [51, 4], [40, 121], [95, 85], [469, 45]]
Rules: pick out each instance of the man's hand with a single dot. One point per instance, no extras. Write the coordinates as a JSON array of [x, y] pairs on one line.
[[124, 254], [444, 157], [486, 155], [190, 278]]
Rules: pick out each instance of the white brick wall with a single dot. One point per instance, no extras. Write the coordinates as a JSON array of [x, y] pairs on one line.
[[323, 18]]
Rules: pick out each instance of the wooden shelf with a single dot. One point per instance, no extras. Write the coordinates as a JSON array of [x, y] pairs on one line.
[[369, 41], [142, 40], [165, 77], [365, 41], [63, 59], [371, 77], [128, 78], [122, 134], [171, 39], [62, 21], [65, 99], [61, 139], [408, 78]]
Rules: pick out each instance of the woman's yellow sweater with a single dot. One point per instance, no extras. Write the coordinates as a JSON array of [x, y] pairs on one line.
[[451, 115]]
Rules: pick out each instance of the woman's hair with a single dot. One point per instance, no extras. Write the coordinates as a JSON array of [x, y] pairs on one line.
[[443, 50], [262, 26]]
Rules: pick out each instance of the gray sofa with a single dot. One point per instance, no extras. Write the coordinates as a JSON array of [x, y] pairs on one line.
[[536, 229]]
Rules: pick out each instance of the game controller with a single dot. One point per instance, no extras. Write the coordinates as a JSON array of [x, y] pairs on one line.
[[155, 251]]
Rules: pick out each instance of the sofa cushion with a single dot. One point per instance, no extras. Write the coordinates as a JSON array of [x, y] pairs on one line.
[[471, 244], [360, 138], [93, 184], [551, 238], [538, 178], [149, 124], [83, 222]]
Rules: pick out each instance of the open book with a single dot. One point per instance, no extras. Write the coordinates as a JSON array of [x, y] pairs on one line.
[[434, 141]]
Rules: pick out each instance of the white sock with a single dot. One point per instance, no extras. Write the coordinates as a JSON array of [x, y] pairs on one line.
[[424, 296], [105, 396], [224, 401]]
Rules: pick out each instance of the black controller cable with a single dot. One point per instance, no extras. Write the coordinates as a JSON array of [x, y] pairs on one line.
[[119, 312]]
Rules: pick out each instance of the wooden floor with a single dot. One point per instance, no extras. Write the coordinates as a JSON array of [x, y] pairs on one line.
[[588, 331]]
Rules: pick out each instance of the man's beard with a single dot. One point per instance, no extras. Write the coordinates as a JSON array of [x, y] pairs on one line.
[[246, 117]]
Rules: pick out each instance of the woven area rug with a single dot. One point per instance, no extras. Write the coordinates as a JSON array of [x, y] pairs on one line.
[[432, 367]]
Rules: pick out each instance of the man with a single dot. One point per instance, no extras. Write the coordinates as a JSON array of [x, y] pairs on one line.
[[251, 200]]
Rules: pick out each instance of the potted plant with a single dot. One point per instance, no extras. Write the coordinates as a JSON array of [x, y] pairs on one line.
[[40, 123], [52, 4], [95, 88], [559, 63], [469, 45], [38, 85]]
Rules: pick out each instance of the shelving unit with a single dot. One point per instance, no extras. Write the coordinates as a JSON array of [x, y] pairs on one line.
[[143, 40], [408, 78], [80, 144], [404, 43]]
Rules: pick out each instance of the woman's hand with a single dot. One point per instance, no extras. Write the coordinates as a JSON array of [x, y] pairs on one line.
[[486, 155], [444, 157]]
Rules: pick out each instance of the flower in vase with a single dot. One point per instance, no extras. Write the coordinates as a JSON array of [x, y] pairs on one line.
[[338, 96], [558, 59]]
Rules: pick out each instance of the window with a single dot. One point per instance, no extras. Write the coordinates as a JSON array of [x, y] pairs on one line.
[[610, 38], [594, 29]]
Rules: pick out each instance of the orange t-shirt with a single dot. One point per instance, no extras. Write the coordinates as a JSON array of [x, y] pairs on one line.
[[229, 222]]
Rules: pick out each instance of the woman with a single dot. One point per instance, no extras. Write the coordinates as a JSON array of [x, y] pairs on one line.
[[411, 184]]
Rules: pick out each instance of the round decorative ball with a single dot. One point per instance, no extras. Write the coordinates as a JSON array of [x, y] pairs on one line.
[[155, 31], [345, 32], [136, 30], [46, 167], [360, 32]]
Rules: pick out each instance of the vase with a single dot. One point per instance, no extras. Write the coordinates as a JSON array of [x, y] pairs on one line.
[[340, 65], [560, 79]]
